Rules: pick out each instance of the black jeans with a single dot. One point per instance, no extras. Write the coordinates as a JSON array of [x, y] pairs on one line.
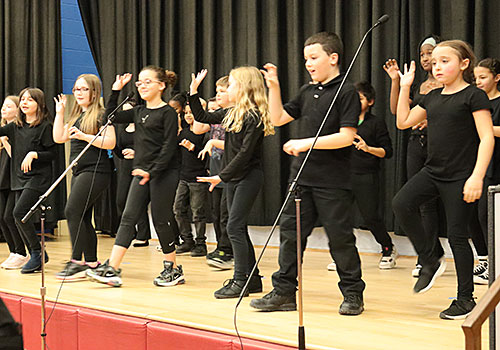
[[241, 196], [124, 179], [419, 189], [194, 196], [160, 191], [333, 209], [86, 189], [25, 199], [366, 191], [220, 217], [8, 224]]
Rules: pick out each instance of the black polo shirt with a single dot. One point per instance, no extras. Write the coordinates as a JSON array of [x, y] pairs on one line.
[[325, 168]]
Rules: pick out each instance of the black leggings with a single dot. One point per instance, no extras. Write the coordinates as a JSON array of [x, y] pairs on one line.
[[8, 224], [419, 189], [160, 190], [25, 199], [86, 188], [220, 216], [479, 222]]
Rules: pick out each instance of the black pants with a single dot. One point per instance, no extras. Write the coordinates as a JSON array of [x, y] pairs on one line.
[[220, 217], [160, 191], [191, 196], [86, 188], [415, 160], [479, 221], [333, 209], [241, 196], [25, 199], [124, 179], [8, 224], [406, 203], [366, 191], [10, 337]]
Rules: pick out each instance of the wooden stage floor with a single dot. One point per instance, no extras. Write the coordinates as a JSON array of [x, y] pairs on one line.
[[394, 318]]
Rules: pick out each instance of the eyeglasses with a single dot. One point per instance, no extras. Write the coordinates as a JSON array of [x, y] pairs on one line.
[[82, 89], [146, 82]]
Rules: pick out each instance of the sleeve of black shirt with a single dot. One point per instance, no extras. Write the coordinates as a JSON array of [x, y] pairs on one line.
[[479, 100], [169, 147], [46, 149], [252, 135], [7, 130], [383, 138], [120, 116], [202, 116], [292, 107], [350, 108]]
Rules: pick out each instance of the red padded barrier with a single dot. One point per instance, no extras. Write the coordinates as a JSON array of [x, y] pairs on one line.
[[13, 303], [250, 344], [168, 336], [62, 327], [103, 330]]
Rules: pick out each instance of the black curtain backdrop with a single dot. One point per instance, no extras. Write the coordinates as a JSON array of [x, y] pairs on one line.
[[30, 55], [186, 36]]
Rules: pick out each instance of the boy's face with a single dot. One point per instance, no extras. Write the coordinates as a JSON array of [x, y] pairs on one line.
[[212, 106], [222, 97], [365, 103], [319, 64], [188, 115]]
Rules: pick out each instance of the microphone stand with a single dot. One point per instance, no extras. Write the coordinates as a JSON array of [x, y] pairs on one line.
[[39, 205], [294, 189]]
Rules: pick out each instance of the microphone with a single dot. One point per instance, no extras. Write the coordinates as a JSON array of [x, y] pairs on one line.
[[381, 20]]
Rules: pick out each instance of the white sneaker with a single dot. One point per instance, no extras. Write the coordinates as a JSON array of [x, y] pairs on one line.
[[17, 262], [481, 267], [7, 261], [388, 260], [332, 266], [482, 278], [416, 271]]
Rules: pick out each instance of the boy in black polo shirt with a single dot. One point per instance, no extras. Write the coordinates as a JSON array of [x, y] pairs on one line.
[[325, 181]]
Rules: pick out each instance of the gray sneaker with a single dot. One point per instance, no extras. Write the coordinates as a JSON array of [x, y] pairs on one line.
[[170, 276]]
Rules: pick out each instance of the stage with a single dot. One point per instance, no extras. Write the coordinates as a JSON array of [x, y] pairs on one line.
[[394, 318]]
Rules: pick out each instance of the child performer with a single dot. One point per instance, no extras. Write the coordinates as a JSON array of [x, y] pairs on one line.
[[156, 174], [460, 145], [325, 182], [246, 125], [91, 175]]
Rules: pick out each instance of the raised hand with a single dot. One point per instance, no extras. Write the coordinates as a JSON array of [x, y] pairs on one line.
[[270, 73], [408, 76], [196, 81], [392, 69], [60, 103], [121, 81]]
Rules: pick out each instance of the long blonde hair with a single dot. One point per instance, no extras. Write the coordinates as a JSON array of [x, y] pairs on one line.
[[91, 119], [251, 98]]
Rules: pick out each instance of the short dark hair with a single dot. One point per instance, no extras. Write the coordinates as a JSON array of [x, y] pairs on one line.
[[492, 64], [330, 42], [366, 89]]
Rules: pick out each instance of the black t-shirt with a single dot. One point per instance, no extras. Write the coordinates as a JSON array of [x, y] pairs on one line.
[[23, 140], [325, 168], [94, 159], [494, 167], [374, 131], [4, 170], [191, 165], [452, 136], [155, 138]]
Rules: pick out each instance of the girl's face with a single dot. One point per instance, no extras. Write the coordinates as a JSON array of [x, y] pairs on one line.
[[9, 110], [175, 105], [222, 96], [447, 66], [232, 90], [426, 57], [485, 80], [82, 93], [149, 86], [365, 104], [28, 105], [188, 115]]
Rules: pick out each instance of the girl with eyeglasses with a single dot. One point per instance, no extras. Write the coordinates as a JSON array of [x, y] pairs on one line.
[[92, 173], [156, 174]]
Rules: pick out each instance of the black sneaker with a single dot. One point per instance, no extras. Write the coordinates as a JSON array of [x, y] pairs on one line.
[[481, 267], [428, 276], [255, 285], [105, 274], [170, 276], [272, 301], [482, 278], [199, 250], [184, 248], [458, 310], [72, 272], [231, 289], [220, 260], [34, 264], [140, 243], [352, 305]]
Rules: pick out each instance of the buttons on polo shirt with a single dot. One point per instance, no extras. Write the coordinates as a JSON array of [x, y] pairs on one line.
[[316, 96], [320, 87]]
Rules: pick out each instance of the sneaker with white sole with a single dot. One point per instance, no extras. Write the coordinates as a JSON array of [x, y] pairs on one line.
[[481, 267], [332, 266], [6, 261], [482, 278], [220, 260], [388, 259], [105, 274], [170, 276], [16, 262], [458, 310], [72, 272], [428, 276], [416, 271]]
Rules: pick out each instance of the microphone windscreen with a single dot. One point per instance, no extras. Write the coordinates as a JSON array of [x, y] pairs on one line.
[[383, 19]]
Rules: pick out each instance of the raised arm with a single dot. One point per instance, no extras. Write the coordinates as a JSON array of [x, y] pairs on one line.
[[276, 111], [392, 69], [60, 130], [406, 118]]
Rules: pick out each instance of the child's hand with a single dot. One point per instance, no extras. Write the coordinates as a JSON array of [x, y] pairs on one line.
[[207, 149], [187, 144], [360, 144], [295, 147], [128, 153], [270, 73], [141, 173], [212, 180], [60, 103], [473, 189], [392, 69], [75, 133], [196, 81], [420, 126], [408, 76], [26, 164], [121, 81]]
